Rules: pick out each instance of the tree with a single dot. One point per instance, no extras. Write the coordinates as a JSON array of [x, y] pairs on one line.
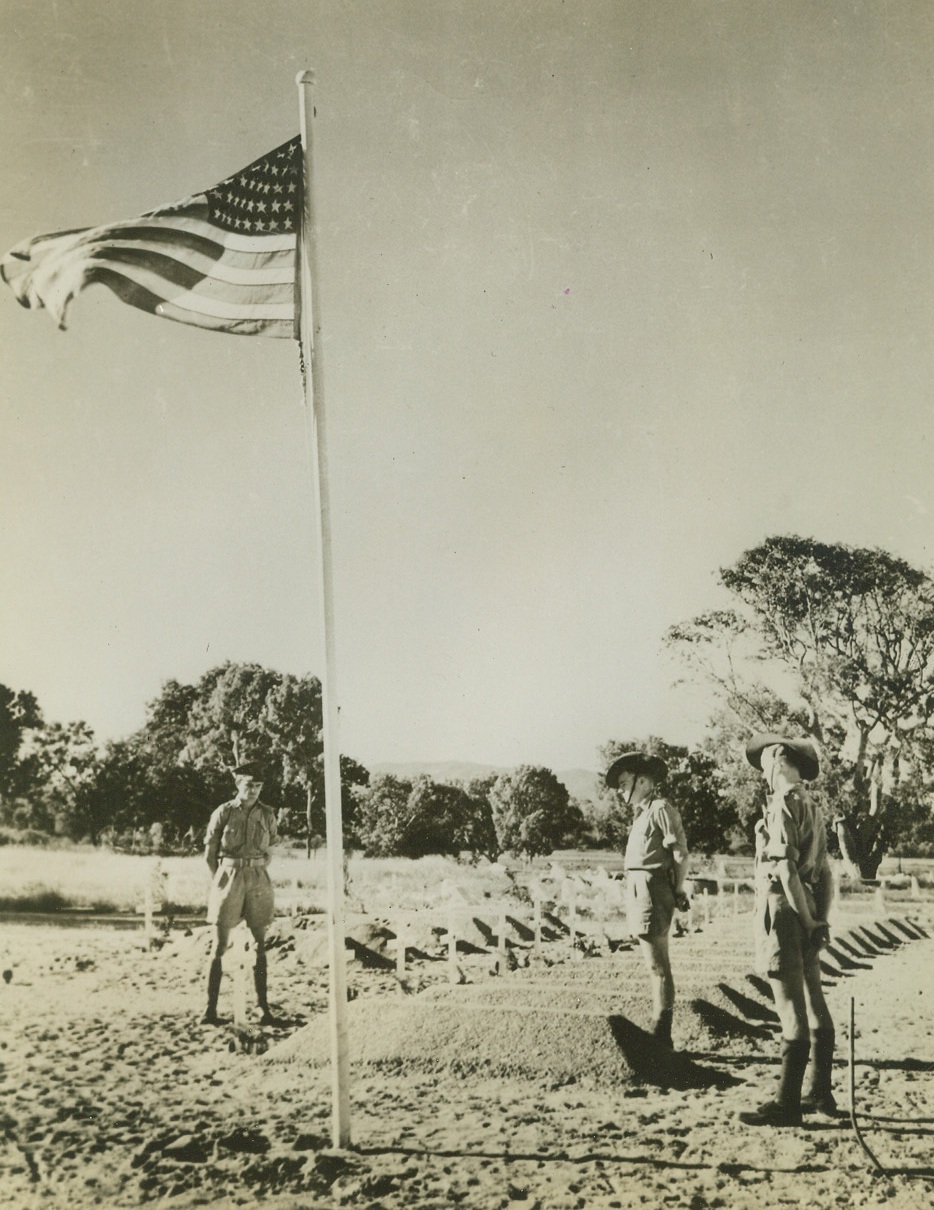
[[19, 715], [383, 815], [836, 642], [228, 720], [65, 761], [480, 831], [532, 811]]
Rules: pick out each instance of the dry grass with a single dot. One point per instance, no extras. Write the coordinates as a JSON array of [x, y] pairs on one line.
[[83, 877]]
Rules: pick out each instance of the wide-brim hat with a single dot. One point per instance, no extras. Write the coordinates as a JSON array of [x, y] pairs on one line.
[[636, 763], [802, 752], [250, 768]]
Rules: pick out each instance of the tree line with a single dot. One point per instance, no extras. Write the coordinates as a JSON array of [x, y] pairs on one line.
[[831, 641]]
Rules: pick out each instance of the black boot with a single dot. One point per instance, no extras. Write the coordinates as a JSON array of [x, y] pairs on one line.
[[818, 1097], [259, 980], [661, 1028], [214, 986], [786, 1109]]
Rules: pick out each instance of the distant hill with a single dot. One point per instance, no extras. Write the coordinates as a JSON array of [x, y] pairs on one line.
[[581, 783]]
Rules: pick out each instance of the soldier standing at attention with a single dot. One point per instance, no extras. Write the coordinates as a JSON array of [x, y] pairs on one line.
[[794, 889], [236, 848], [656, 865]]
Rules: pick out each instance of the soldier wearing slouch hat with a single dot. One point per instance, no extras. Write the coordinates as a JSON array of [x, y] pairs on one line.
[[656, 865], [794, 890]]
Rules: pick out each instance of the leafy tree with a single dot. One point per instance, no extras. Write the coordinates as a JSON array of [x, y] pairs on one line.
[[437, 819], [383, 815], [19, 715], [306, 808], [532, 811], [64, 762], [480, 829], [836, 642], [228, 720]]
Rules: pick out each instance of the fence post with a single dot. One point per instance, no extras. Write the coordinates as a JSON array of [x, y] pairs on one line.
[[147, 916], [501, 943], [707, 905], [453, 973], [239, 974], [537, 923], [400, 946]]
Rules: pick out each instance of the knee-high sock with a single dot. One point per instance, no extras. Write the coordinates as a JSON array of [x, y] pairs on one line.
[[215, 971], [795, 1054], [259, 980], [820, 1073]]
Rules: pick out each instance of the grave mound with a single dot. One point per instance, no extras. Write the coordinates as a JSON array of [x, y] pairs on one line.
[[502, 1039]]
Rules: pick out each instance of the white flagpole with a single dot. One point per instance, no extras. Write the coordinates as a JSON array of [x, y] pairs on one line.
[[315, 417]]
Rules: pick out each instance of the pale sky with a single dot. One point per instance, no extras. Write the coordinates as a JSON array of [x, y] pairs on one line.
[[611, 291]]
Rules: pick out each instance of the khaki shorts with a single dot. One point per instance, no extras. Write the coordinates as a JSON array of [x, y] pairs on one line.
[[241, 893], [650, 903], [782, 949]]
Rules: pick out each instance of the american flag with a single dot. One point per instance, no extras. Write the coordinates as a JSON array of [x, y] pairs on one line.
[[223, 259]]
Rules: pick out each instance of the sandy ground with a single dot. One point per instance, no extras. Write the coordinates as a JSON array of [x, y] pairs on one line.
[[114, 1095]]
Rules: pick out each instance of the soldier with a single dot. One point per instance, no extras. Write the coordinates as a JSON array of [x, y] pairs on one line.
[[656, 865], [236, 848], [794, 889]]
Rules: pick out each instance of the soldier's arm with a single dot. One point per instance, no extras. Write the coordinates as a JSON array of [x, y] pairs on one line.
[[212, 839], [676, 842], [791, 884]]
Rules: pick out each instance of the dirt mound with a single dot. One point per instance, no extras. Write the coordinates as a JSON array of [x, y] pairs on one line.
[[473, 1038]]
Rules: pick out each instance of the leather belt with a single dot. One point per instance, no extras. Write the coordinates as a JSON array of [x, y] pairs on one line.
[[239, 862]]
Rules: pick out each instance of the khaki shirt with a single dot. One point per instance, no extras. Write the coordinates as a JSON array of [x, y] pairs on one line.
[[238, 831], [793, 830], [656, 832]]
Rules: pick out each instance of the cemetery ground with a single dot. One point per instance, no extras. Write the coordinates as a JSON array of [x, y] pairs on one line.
[[496, 1024]]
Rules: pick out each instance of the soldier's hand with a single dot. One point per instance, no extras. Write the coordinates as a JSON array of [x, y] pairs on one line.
[[682, 903], [820, 935]]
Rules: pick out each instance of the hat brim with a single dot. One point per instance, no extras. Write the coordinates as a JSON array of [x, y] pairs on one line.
[[636, 763], [803, 752]]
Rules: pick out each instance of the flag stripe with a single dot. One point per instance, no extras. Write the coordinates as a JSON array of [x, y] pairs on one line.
[[137, 295], [202, 295], [195, 266]]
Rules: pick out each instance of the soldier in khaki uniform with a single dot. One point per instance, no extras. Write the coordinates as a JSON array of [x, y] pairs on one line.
[[656, 866], [236, 848], [794, 889]]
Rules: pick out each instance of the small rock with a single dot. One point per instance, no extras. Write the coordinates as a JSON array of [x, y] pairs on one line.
[[310, 1142], [187, 1148], [330, 1164], [249, 1142]]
